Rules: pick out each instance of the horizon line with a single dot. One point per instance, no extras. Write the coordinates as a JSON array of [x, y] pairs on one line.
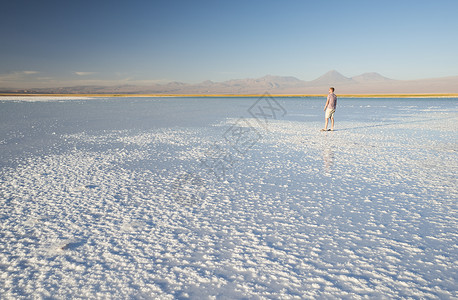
[[383, 95]]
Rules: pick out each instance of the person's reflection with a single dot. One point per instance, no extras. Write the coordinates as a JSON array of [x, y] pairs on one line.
[[328, 159]]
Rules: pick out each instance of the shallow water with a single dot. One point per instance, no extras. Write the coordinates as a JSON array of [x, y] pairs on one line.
[[235, 197]]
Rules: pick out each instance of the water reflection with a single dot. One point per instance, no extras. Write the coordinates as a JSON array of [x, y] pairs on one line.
[[328, 159]]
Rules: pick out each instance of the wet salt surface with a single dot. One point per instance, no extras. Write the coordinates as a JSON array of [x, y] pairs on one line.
[[188, 197]]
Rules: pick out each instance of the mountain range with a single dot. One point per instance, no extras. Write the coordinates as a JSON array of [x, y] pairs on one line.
[[367, 83]]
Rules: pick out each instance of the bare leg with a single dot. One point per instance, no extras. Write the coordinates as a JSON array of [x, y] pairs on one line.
[[332, 123], [326, 124]]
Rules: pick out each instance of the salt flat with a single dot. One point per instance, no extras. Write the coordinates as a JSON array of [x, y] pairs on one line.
[[228, 197]]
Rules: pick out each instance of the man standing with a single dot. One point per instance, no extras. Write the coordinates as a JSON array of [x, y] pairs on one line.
[[330, 108]]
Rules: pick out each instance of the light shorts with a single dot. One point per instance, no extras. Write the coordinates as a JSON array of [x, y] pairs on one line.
[[330, 113]]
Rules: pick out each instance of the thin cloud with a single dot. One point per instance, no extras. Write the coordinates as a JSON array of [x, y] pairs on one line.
[[17, 75], [34, 79], [84, 73]]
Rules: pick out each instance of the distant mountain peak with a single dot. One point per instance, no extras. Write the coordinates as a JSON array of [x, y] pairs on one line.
[[370, 77], [176, 83], [331, 78], [209, 82], [280, 79], [371, 82]]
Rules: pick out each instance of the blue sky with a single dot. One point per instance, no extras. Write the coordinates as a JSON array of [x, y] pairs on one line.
[[60, 43]]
